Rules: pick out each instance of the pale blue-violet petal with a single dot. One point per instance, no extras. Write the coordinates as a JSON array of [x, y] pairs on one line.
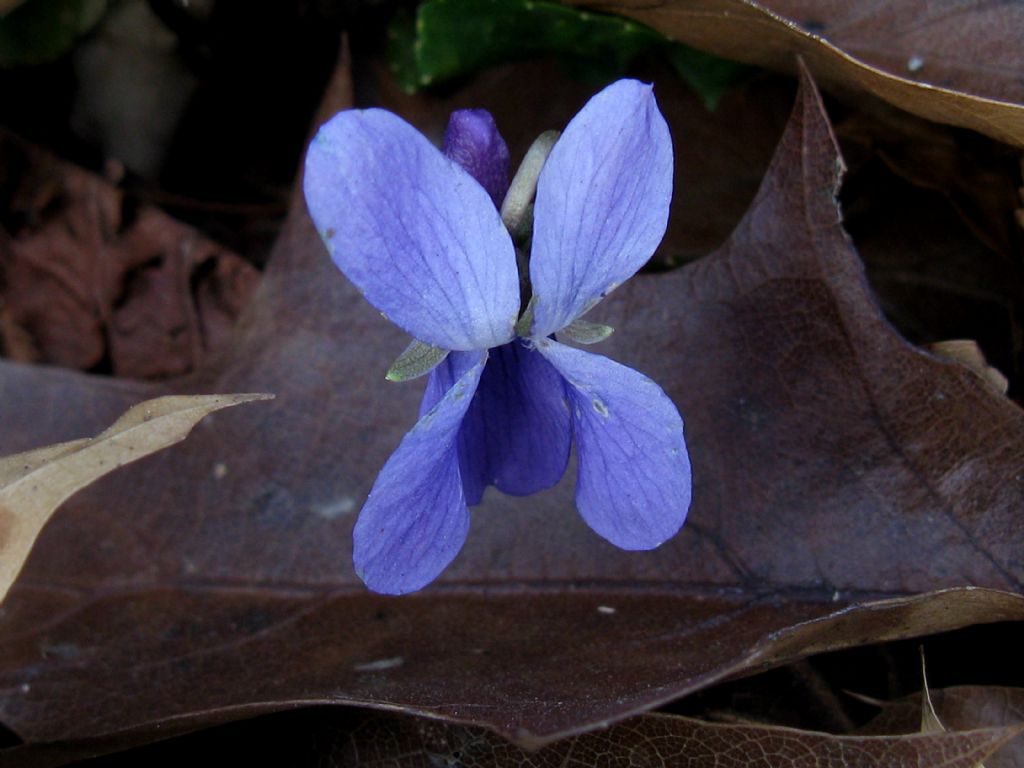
[[415, 519], [633, 480], [602, 203], [415, 233], [440, 380]]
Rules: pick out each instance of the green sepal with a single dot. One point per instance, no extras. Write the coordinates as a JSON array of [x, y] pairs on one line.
[[517, 207], [586, 332], [417, 360]]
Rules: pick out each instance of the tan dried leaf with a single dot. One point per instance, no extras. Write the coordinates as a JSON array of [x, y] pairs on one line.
[[930, 722], [967, 352], [962, 708], [35, 483]]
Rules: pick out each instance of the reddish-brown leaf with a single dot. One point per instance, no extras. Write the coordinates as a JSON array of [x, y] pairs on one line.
[[842, 477], [85, 280]]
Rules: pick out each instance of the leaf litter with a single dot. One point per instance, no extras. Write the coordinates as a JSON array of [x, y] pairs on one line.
[[215, 620], [91, 281]]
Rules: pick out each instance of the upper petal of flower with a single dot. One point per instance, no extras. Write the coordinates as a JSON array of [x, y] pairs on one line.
[[415, 232], [633, 479], [602, 203], [415, 519], [472, 140]]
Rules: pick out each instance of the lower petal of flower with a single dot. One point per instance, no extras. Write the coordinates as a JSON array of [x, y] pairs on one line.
[[517, 432], [633, 484], [415, 520], [516, 435]]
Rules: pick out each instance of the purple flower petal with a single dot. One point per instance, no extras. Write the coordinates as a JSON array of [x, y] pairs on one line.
[[516, 434], [415, 519], [415, 233], [439, 382], [602, 203], [633, 481], [472, 140]]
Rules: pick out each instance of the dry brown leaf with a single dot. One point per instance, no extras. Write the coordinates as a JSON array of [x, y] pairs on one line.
[[349, 738], [770, 34], [849, 489], [963, 708], [88, 280], [35, 483], [655, 740], [930, 722]]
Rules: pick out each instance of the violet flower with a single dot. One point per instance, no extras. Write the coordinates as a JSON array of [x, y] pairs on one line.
[[419, 233]]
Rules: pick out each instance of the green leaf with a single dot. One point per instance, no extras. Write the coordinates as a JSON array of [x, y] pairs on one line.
[[453, 38], [41, 30], [709, 76]]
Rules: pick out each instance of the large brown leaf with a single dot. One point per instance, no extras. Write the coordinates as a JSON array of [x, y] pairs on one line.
[[953, 63], [344, 738], [842, 477], [352, 739]]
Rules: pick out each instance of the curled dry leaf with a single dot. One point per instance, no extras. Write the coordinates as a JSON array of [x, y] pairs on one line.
[[377, 741], [914, 55], [925, 42], [849, 489], [34, 484], [930, 722], [960, 708]]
